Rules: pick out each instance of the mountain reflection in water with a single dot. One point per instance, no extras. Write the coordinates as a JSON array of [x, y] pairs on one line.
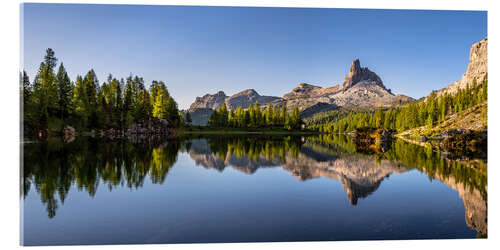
[[51, 168]]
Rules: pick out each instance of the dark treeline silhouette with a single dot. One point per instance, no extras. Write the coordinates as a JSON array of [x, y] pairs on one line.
[[426, 112], [254, 117], [53, 100]]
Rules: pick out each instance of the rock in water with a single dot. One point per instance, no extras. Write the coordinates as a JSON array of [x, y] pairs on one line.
[[68, 134], [372, 140], [151, 131]]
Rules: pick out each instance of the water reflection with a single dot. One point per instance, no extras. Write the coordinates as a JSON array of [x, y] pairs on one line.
[[51, 168]]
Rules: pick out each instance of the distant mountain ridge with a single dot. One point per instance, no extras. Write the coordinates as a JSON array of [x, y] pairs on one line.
[[209, 101], [241, 99], [362, 88]]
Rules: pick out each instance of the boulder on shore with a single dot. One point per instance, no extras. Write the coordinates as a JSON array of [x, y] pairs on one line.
[[68, 133], [464, 143], [371, 139], [150, 131]]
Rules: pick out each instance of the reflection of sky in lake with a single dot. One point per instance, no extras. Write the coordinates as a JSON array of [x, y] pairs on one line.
[[195, 204]]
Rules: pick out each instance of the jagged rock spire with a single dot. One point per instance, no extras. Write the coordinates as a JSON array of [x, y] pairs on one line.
[[358, 74]]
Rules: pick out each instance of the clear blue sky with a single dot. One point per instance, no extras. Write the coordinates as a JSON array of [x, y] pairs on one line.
[[199, 50]]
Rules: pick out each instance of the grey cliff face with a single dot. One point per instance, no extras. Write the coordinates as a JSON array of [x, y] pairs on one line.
[[477, 68], [303, 90], [246, 97], [209, 101], [201, 109], [242, 99]]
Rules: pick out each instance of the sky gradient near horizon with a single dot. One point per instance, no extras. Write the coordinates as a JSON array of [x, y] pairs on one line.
[[200, 50]]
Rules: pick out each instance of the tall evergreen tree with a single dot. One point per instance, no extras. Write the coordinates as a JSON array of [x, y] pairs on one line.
[[223, 115], [283, 114], [80, 101], [91, 90], [27, 107], [45, 90], [27, 90], [65, 92]]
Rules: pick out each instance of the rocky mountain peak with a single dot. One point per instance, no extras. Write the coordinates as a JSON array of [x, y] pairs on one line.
[[203, 106], [358, 74], [249, 96], [247, 92], [221, 93], [305, 85], [361, 88], [478, 62], [477, 68], [209, 101], [302, 89], [355, 67]]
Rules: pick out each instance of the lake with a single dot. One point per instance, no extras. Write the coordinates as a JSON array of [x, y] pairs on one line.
[[246, 188]]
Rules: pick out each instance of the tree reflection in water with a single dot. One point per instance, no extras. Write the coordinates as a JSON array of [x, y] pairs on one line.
[[51, 168]]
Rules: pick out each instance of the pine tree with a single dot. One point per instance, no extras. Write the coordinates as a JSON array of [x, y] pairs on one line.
[[240, 117], [378, 118], [283, 114], [129, 103], [158, 107], [269, 114], [144, 106], [223, 115], [27, 95], [429, 121], [65, 92], [212, 121], [80, 101], [26, 87], [172, 115], [246, 119], [387, 119], [294, 121], [91, 89], [45, 89]]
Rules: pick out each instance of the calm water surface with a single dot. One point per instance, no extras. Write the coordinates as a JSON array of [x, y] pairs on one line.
[[246, 189]]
